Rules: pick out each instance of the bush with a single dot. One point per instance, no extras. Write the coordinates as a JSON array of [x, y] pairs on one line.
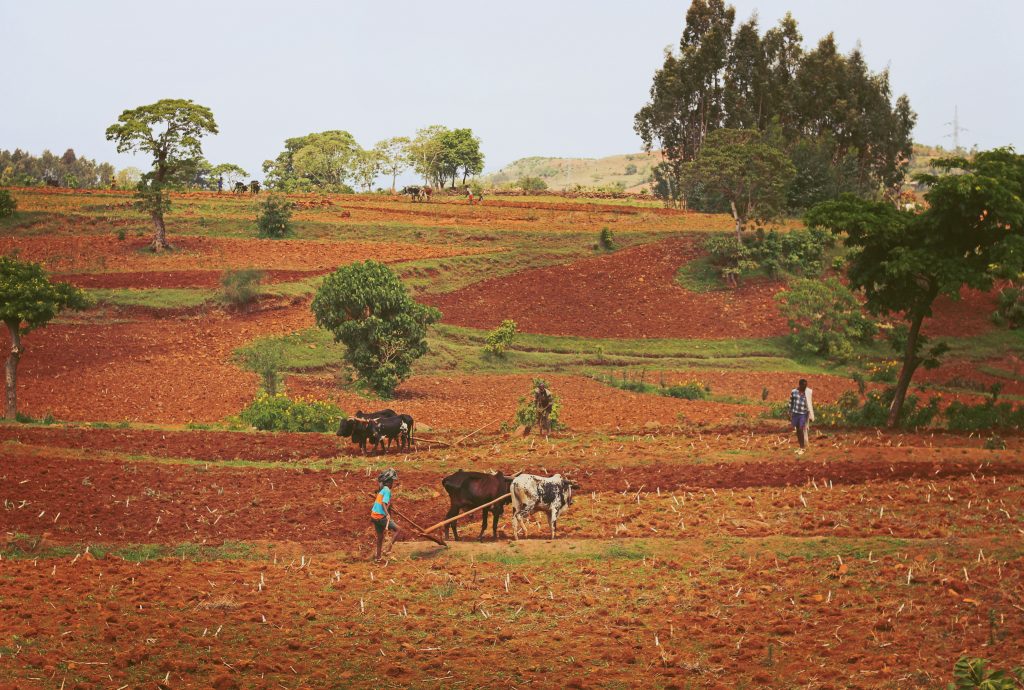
[[526, 411], [971, 674], [605, 240], [691, 390], [987, 415], [280, 413], [1009, 308], [824, 317], [267, 360], [531, 184], [241, 287], [630, 169], [500, 339], [688, 390], [884, 371], [8, 204], [275, 218], [850, 411], [798, 252], [383, 329]]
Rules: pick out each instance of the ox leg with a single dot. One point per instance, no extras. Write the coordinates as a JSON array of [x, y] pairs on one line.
[[452, 512], [553, 520], [497, 515], [483, 524]]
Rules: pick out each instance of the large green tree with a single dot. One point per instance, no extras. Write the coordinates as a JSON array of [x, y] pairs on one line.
[[28, 300], [394, 157], [171, 131], [972, 228], [322, 160], [749, 174], [383, 329], [440, 154]]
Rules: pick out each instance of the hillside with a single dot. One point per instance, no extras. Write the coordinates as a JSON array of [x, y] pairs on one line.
[[630, 171]]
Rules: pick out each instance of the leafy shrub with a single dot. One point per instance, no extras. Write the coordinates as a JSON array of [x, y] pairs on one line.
[[995, 442], [850, 411], [688, 390], [500, 339], [798, 252], [266, 359], [1009, 308], [824, 317], [884, 371], [972, 674], [605, 240], [526, 411], [369, 310], [8, 204], [275, 218], [281, 413], [987, 415], [531, 184], [241, 287], [630, 169]]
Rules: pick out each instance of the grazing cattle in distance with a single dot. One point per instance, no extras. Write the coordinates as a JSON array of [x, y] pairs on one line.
[[359, 430], [241, 188], [413, 191], [254, 187], [530, 494], [467, 490]]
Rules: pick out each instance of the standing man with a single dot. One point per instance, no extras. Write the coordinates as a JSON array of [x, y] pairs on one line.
[[543, 402], [380, 513], [801, 410]]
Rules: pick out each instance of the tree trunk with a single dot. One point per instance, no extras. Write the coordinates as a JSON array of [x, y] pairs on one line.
[[910, 364], [739, 223], [160, 237], [11, 408], [394, 176]]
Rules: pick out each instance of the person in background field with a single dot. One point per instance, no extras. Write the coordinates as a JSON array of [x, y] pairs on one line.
[[380, 513], [544, 402], [801, 410]]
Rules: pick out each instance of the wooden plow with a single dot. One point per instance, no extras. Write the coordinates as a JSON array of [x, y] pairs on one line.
[[437, 540]]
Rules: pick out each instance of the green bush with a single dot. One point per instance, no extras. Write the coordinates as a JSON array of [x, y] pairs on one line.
[[824, 317], [500, 339], [526, 411], [605, 240], [688, 390], [275, 218], [368, 309], [691, 390], [281, 413], [241, 287], [972, 674], [873, 411], [797, 252], [266, 358], [531, 184], [8, 204], [885, 371], [987, 415], [1010, 308]]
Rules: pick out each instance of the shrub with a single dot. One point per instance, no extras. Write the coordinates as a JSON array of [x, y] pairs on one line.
[[500, 339], [1009, 308], [971, 674], [531, 184], [241, 287], [987, 415], [630, 169], [266, 359], [824, 317], [884, 371], [526, 411], [688, 390], [850, 411], [383, 329], [275, 218], [691, 390], [605, 240], [281, 413], [798, 252], [8, 204]]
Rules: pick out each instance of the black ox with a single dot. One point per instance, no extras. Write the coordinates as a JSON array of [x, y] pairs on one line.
[[467, 490]]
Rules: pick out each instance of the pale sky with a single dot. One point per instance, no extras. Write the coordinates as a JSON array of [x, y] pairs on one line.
[[531, 78]]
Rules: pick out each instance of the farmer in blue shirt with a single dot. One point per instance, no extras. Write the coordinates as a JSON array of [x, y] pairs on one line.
[[380, 514], [801, 410]]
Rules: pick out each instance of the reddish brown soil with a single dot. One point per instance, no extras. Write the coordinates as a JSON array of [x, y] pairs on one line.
[[627, 294], [969, 315], [170, 279], [102, 253]]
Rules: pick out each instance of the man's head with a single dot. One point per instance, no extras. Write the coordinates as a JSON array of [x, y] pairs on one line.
[[802, 385]]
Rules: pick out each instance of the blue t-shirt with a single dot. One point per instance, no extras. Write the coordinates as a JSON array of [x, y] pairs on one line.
[[383, 499]]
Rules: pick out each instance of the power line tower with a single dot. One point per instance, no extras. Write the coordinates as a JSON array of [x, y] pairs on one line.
[[956, 129]]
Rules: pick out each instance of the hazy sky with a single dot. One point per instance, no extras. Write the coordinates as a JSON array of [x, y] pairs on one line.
[[552, 78]]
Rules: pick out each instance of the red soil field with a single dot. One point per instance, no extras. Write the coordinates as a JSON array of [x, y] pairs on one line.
[[170, 279], [103, 253], [627, 294]]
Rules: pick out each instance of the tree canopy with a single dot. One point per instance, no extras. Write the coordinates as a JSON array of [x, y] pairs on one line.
[[440, 154], [321, 160], [721, 78], [22, 169], [171, 131], [383, 329], [28, 300], [971, 230]]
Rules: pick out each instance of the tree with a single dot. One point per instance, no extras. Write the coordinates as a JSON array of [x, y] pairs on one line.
[[126, 178], [232, 173], [366, 168], [824, 317], [383, 329], [426, 152], [321, 160], [170, 130], [28, 300], [749, 174], [972, 229], [440, 154], [394, 157]]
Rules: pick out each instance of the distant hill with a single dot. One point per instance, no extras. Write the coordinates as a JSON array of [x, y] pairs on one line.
[[628, 172]]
